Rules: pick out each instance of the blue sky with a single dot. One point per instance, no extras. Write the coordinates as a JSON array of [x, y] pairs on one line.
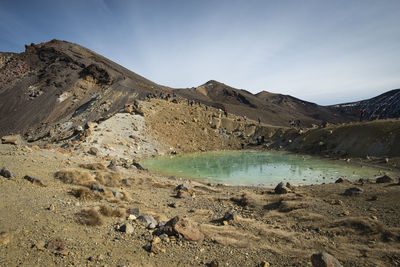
[[321, 51]]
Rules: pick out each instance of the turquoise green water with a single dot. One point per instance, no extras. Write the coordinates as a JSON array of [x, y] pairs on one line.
[[258, 168]]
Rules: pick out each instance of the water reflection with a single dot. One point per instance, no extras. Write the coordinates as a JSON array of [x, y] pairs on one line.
[[254, 168]]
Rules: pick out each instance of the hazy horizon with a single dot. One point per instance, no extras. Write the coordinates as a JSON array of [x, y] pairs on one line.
[[326, 52]]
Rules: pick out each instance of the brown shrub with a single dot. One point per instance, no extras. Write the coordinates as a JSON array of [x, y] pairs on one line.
[[362, 224], [108, 178], [94, 166], [286, 206], [110, 212], [70, 176], [90, 217], [85, 194]]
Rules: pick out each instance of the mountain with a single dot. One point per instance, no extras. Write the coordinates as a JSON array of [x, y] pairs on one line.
[[59, 85], [274, 109], [384, 106], [54, 87]]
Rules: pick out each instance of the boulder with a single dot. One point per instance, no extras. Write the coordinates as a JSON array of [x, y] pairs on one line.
[[342, 180], [93, 151], [230, 216], [281, 189], [6, 173], [97, 187], [384, 179], [182, 194], [35, 181], [324, 260], [181, 187], [291, 186], [127, 228], [353, 191], [149, 221], [134, 211], [11, 139], [179, 226]]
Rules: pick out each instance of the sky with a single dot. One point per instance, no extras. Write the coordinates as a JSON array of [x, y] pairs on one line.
[[322, 51]]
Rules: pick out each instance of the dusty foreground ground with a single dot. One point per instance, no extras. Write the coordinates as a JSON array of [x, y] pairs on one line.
[[58, 220]]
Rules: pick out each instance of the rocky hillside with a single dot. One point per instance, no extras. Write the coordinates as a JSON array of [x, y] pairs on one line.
[[56, 86], [274, 109], [384, 106]]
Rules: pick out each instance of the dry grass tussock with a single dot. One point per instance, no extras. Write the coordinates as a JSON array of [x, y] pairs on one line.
[[286, 206], [86, 194], [362, 224], [163, 185], [94, 166], [108, 178], [90, 217], [71, 176], [110, 212], [85, 178]]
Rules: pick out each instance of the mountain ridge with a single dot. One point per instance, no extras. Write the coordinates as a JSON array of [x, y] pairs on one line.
[[57, 85]]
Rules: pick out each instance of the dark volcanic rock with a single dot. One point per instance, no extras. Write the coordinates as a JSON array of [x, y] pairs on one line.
[[281, 189], [35, 181], [353, 191], [179, 226], [384, 179], [324, 260], [6, 173]]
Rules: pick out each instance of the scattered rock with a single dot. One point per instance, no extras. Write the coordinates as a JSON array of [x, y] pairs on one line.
[[6, 173], [291, 186], [230, 216], [35, 181], [127, 228], [384, 179], [214, 263], [373, 198], [91, 125], [113, 165], [156, 249], [126, 182], [181, 187], [41, 245], [353, 191], [132, 217], [149, 221], [281, 189], [93, 151], [56, 244], [138, 166], [12, 139], [134, 211], [179, 226], [182, 194], [4, 238], [117, 194], [156, 240], [324, 260], [342, 180], [97, 187]]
